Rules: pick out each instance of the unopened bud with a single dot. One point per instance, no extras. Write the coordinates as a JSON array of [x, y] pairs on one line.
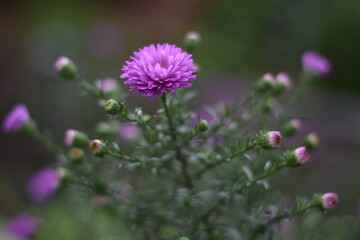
[[270, 140], [75, 138], [298, 157], [311, 141], [64, 174], [265, 83], [291, 127], [105, 129], [192, 40], [269, 104], [202, 125], [327, 200], [98, 148], [113, 107], [282, 82], [66, 68], [76, 154]]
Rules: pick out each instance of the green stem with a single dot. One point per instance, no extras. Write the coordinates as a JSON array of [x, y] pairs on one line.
[[89, 88], [179, 156], [50, 145], [227, 159]]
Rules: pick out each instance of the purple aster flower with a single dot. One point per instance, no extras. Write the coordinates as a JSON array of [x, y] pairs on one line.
[[24, 225], [156, 69], [43, 185], [270, 140], [16, 118], [129, 131], [107, 85], [316, 63]]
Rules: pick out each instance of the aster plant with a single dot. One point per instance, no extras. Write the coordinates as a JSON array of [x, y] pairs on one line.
[[173, 174]]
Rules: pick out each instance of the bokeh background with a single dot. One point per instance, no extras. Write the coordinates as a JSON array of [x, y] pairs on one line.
[[241, 41]]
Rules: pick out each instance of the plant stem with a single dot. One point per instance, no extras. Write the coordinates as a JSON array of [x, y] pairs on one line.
[[50, 145], [179, 156], [227, 159]]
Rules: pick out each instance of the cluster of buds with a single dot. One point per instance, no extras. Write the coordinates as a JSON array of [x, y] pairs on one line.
[[277, 84]]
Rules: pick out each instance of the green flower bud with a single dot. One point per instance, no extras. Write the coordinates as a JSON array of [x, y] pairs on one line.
[[265, 83], [98, 148], [66, 68], [311, 141], [192, 40], [76, 155], [202, 125], [291, 127], [113, 107], [76, 138]]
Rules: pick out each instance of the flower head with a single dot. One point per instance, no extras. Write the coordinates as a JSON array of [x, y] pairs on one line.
[[291, 127], [329, 200], [65, 68], [16, 119], [43, 185], [265, 83], [156, 69], [270, 140], [315, 63], [311, 141], [24, 225]]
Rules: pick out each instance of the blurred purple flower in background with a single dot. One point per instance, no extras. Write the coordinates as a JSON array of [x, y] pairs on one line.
[[107, 85], [43, 185], [16, 118], [24, 225], [156, 69], [315, 63], [129, 132], [284, 79]]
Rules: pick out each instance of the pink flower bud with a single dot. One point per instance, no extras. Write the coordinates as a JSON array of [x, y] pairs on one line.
[[284, 79], [329, 200], [265, 83], [98, 148], [75, 138], [270, 140], [69, 137], [60, 63], [16, 119], [315, 63], [107, 85], [301, 155]]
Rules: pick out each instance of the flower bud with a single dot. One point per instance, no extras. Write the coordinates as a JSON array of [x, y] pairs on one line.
[[23, 226], [66, 68], [192, 40], [282, 82], [75, 138], [106, 129], [16, 119], [291, 127], [269, 104], [64, 174], [98, 148], [265, 83], [184, 238], [76, 154], [270, 140], [298, 157], [311, 141], [113, 107], [329, 200], [202, 125], [43, 185], [313, 62]]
